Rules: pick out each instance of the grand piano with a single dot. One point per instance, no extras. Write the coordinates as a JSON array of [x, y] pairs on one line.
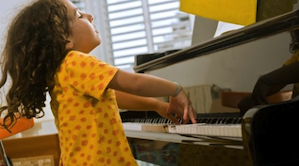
[[264, 136]]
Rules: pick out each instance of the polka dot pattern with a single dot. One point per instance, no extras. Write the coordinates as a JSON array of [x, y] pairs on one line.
[[86, 114]]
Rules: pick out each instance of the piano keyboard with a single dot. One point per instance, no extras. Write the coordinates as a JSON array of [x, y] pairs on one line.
[[214, 124], [232, 130], [162, 128]]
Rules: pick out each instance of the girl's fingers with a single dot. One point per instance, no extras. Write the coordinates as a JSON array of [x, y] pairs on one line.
[[185, 116], [192, 115], [173, 119], [177, 116]]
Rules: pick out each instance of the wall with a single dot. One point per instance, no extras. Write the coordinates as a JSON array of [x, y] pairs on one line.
[[8, 9]]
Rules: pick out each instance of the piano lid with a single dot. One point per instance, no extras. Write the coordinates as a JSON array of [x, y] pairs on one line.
[[272, 26]]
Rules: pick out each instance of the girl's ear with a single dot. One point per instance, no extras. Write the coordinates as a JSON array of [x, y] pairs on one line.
[[69, 45]]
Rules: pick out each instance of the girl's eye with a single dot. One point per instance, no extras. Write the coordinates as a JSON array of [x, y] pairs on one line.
[[79, 14]]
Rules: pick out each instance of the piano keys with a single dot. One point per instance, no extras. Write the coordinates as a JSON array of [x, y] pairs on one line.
[[212, 124], [231, 130]]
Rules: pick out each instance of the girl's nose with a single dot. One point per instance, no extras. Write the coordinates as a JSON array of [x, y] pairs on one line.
[[89, 17]]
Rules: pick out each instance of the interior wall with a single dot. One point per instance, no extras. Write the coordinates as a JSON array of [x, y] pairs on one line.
[[8, 9]]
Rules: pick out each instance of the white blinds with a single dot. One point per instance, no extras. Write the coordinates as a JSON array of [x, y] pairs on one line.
[[146, 26], [80, 4], [143, 26]]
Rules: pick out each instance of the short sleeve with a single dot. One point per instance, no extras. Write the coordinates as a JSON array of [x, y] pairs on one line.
[[87, 74]]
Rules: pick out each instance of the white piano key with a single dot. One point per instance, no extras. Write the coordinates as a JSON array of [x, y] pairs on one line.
[[229, 130], [132, 126], [172, 129]]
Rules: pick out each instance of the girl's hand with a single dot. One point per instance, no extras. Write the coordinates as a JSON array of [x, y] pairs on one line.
[[181, 107], [161, 109]]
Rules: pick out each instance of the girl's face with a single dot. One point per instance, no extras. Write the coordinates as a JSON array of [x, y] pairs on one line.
[[84, 36]]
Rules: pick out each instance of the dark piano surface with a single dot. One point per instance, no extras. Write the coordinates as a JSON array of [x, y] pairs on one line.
[[269, 133]]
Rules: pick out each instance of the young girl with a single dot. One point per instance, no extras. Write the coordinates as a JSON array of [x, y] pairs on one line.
[[47, 51]]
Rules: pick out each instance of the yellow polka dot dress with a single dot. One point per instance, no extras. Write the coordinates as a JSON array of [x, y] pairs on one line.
[[86, 114]]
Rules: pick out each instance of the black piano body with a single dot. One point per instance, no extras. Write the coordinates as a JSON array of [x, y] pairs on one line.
[[269, 134]]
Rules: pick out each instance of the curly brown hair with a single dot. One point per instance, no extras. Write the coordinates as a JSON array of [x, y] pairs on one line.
[[33, 52]]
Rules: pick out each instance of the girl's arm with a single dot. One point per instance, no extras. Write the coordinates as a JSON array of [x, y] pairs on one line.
[[142, 84], [138, 103], [151, 86]]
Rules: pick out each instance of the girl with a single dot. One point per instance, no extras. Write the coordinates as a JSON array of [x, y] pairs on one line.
[[47, 51]]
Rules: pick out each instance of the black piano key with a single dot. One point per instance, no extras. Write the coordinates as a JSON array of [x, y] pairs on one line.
[[207, 118]]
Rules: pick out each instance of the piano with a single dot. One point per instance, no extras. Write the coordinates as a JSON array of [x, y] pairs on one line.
[[145, 133], [212, 124], [266, 133]]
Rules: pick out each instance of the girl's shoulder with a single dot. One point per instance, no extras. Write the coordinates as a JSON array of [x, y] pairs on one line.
[[77, 54], [81, 57]]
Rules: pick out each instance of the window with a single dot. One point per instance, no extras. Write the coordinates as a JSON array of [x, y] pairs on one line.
[[133, 27], [81, 5]]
